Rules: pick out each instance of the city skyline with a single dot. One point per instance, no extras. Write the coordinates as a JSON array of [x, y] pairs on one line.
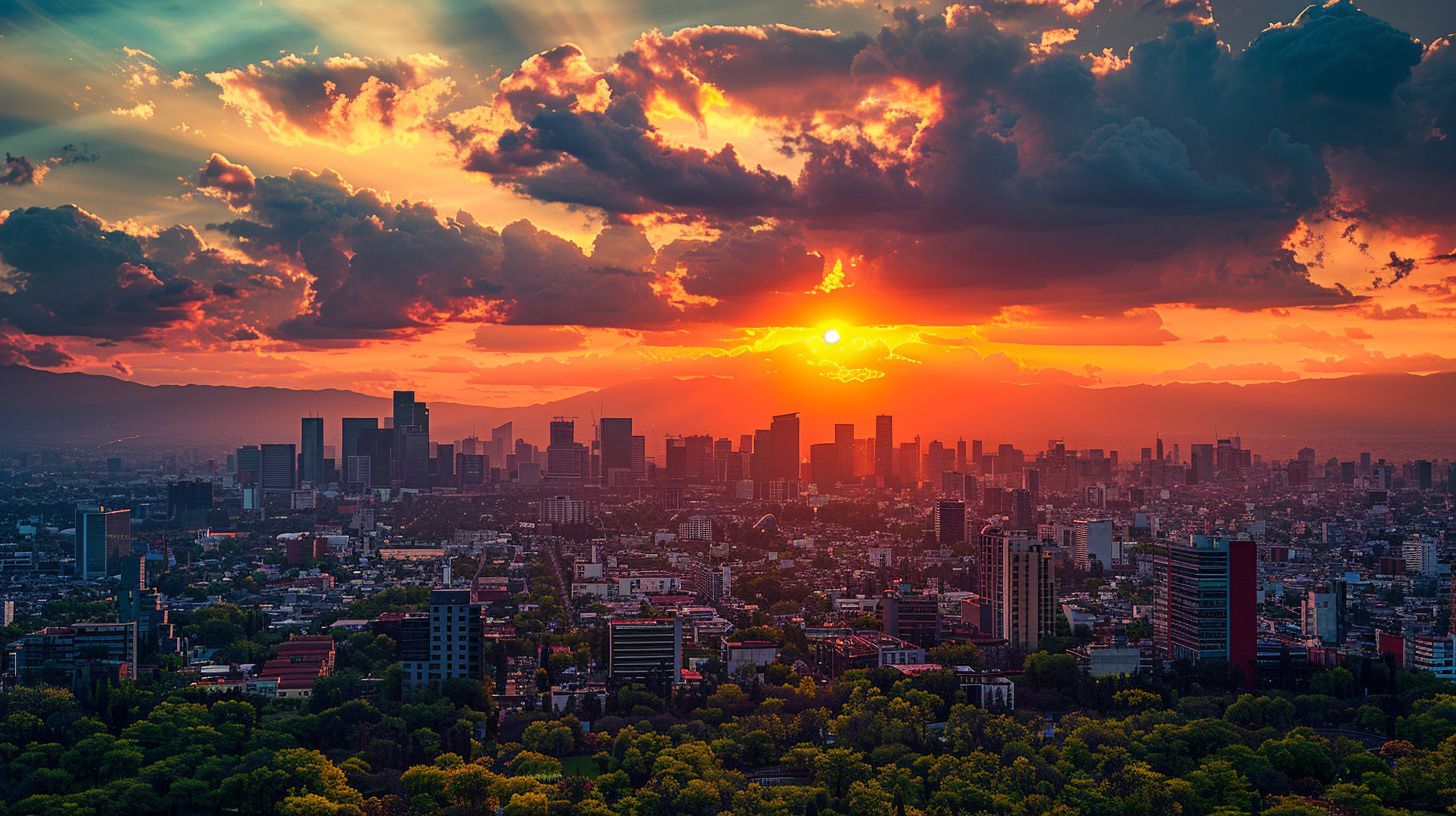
[[1044, 207]]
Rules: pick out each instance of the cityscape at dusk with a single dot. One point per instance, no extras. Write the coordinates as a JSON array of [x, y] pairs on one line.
[[780, 408]]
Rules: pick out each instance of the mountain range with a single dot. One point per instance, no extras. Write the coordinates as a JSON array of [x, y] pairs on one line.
[[1393, 415]]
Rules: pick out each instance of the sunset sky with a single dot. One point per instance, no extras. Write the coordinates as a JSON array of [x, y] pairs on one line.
[[503, 203]]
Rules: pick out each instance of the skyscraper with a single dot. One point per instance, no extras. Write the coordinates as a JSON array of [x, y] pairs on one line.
[[844, 448], [278, 465], [616, 438], [102, 536], [785, 434], [502, 442], [311, 461], [1015, 575], [950, 522], [1205, 601], [404, 409], [884, 446]]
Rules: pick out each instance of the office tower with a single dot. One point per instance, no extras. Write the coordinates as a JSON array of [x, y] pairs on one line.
[[1324, 614], [950, 522], [311, 458], [912, 616], [1019, 514], [960, 456], [977, 454], [249, 460], [907, 463], [884, 446], [470, 468], [351, 435], [376, 455], [724, 459], [278, 463], [675, 458], [1204, 601], [645, 651], [565, 458], [404, 409], [77, 656], [699, 452], [137, 603], [1201, 464], [844, 444], [471, 445], [639, 458], [445, 465], [422, 418], [1092, 540], [502, 440], [412, 453], [1015, 575], [824, 464], [616, 438], [189, 498], [784, 433], [456, 645], [761, 460], [745, 443], [102, 537]]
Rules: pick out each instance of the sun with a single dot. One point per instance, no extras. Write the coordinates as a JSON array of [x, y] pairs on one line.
[[831, 336]]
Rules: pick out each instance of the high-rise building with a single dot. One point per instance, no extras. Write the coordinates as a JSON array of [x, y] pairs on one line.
[[249, 459], [563, 510], [352, 431], [404, 409], [412, 453], [311, 456], [646, 650], [844, 446], [784, 431], [1092, 540], [502, 443], [1325, 616], [950, 522], [1015, 575], [1205, 601], [615, 434], [278, 465], [456, 646], [884, 446], [824, 464], [639, 458], [565, 458], [102, 537]]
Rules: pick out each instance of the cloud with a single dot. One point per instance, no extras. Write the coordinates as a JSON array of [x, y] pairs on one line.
[[952, 151], [233, 183], [504, 339], [1137, 327], [1377, 362], [18, 349], [141, 110], [1229, 372], [1410, 312], [21, 172], [73, 275], [351, 103]]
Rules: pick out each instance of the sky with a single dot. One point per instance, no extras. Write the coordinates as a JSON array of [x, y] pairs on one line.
[[506, 203]]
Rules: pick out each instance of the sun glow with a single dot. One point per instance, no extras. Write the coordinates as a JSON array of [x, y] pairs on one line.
[[831, 336]]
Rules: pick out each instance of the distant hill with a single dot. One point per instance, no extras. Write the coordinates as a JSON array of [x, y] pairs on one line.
[[1393, 415]]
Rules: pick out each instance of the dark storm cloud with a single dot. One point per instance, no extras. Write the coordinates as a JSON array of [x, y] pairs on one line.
[[17, 349], [380, 269], [746, 263], [74, 276], [1176, 171]]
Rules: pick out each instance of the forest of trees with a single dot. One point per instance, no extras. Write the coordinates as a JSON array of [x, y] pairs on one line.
[[868, 743]]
